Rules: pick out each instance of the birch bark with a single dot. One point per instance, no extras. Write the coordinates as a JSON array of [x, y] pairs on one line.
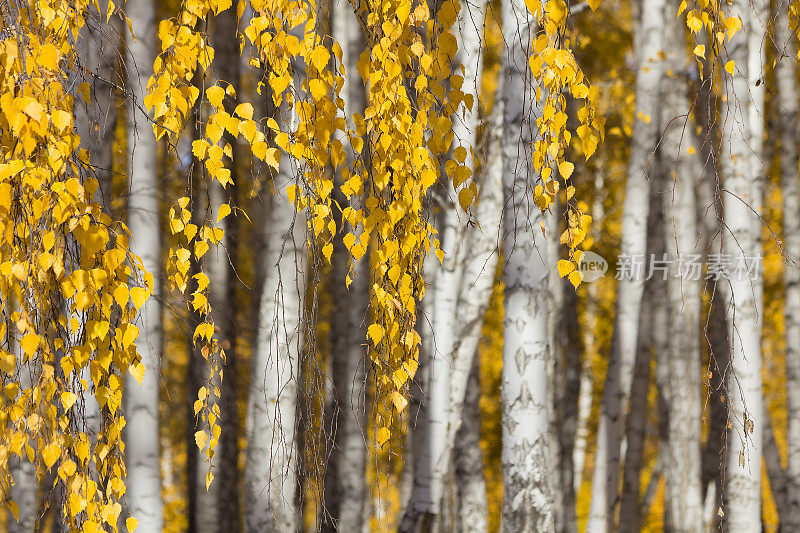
[[141, 407], [527, 472], [682, 169], [270, 471], [630, 514], [470, 484], [741, 167], [786, 40]]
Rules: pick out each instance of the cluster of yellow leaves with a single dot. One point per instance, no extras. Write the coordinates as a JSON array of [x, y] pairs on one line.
[[554, 67], [69, 287], [407, 125], [173, 97], [707, 15], [397, 146], [307, 122]]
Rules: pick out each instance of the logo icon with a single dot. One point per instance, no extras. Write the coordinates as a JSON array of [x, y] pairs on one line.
[[592, 266]]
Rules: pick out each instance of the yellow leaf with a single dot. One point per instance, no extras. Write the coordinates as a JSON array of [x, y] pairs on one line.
[[131, 523], [199, 148], [139, 295], [200, 438], [319, 89], [50, 454], [244, 111], [121, 295], [137, 371], [14, 508], [272, 158], [732, 25], [68, 399], [34, 110], [565, 267], [575, 278], [382, 436], [700, 50], [248, 129], [29, 343], [565, 169], [61, 119], [215, 95], [86, 95], [730, 67], [465, 197], [327, 251], [320, 57], [224, 210], [375, 332], [129, 336], [399, 401]]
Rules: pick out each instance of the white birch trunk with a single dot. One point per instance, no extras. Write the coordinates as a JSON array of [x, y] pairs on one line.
[[459, 296], [586, 381], [682, 169], [527, 472], [616, 394], [270, 471], [470, 483], [742, 199], [345, 484], [141, 406], [786, 41]]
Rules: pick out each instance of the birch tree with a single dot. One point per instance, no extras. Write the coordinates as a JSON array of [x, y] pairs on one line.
[[616, 394], [630, 514], [271, 461], [345, 496], [142, 445], [459, 295], [786, 40], [527, 472], [470, 483], [742, 171], [682, 169]]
